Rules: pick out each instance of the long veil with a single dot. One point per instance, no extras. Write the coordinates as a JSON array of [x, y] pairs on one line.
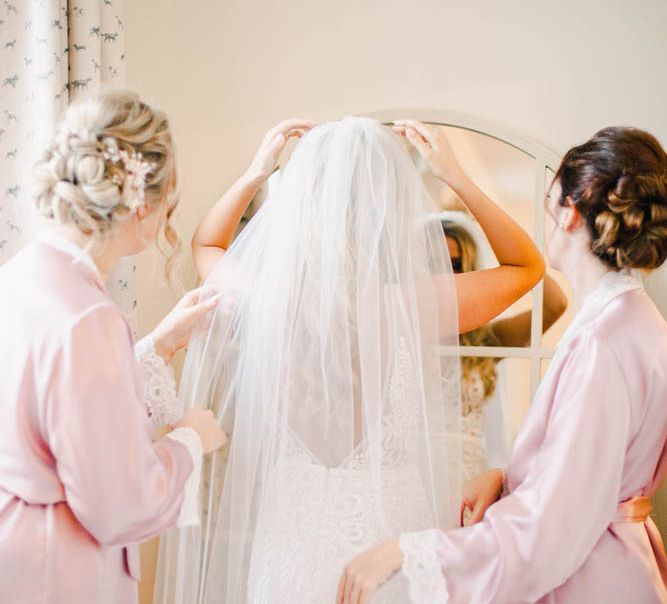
[[332, 363]]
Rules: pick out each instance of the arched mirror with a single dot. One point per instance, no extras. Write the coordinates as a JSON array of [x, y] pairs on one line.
[[504, 361]]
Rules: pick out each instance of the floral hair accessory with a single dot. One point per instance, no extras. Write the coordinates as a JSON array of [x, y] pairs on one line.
[[136, 170]]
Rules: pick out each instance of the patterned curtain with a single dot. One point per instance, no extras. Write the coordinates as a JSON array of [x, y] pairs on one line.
[[51, 51]]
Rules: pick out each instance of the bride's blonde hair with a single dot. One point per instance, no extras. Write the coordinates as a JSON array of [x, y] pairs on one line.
[[78, 182]]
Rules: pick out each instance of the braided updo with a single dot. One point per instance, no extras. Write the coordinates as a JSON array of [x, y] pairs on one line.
[[618, 182], [76, 182]]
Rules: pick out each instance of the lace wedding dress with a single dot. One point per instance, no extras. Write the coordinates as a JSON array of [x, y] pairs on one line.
[[331, 514], [333, 365], [473, 448]]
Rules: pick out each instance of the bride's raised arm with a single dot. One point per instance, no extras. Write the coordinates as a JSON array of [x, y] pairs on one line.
[[215, 232], [484, 294]]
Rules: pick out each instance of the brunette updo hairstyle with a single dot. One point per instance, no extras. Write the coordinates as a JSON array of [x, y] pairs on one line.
[[618, 182]]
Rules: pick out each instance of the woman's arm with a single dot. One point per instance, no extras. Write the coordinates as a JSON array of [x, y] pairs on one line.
[[215, 232], [515, 331], [121, 485], [541, 533], [481, 295], [154, 352]]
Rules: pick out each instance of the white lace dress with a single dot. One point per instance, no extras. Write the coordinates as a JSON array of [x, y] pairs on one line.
[[473, 448], [330, 515]]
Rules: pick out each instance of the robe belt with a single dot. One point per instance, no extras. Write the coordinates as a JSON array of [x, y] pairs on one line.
[[638, 509]]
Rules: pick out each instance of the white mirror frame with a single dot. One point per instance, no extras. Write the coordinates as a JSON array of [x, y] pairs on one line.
[[544, 159]]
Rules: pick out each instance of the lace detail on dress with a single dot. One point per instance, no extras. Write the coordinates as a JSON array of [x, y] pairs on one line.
[[315, 519], [421, 568], [158, 384], [473, 448], [399, 422]]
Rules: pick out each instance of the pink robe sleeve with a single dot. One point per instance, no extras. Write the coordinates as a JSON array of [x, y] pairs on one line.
[[535, 538], [121, 485]]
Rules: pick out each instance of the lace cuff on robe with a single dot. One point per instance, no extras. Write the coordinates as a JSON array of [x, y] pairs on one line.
[[158, 384], [189, 515], [422, 568]]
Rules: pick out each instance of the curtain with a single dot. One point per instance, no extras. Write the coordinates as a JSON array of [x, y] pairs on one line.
[[50, 52]]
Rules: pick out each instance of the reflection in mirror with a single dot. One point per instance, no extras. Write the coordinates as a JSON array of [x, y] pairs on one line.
[[496, 389], [507, 175], [495, 396]]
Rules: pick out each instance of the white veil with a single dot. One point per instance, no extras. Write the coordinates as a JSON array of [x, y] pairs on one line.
[[324, 364]]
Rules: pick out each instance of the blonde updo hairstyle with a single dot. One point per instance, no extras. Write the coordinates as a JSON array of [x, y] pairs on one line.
[[76, 182], [618, 182]]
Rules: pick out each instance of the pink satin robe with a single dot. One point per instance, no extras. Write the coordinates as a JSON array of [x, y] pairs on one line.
[[595, 436], [81, 480]]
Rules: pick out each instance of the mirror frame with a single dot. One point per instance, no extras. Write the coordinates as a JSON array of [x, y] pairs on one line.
[[544, 159]]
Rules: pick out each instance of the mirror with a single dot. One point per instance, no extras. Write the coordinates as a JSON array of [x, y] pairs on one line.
[[502, 362], [507, 175], [497, 385]]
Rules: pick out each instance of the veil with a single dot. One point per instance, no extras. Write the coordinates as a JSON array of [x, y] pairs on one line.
[[332, 362]]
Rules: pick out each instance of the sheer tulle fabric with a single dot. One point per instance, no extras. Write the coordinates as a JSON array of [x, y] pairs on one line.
[[332, 362]]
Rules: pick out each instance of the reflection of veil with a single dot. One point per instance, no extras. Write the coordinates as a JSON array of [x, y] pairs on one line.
[[497, 434], [322, 363]]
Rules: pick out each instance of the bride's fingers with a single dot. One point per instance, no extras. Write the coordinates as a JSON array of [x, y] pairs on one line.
[[275, 145], [400, 130], [421, 131], [418, 142], [425, 132], [289, 124], [296, 132]]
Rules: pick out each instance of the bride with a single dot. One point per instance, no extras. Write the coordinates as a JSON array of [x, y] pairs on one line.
[[332, 362]]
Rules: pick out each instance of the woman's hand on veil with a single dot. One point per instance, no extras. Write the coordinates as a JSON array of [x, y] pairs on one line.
[[206, 425], [368, 572], [273, 143], [481, 492], [433, 145], [216, 231], [521, 264], [174, 331]]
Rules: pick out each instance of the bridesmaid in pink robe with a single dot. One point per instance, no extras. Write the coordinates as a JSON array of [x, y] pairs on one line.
[[573, 523], [81, 480]]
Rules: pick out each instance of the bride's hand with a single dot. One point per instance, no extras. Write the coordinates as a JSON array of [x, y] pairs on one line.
[[174, 331], [433, 145], [481, 492], [273, 143], [368, 572]]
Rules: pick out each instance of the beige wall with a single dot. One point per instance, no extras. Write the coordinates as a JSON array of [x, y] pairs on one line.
[[227, 70]]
